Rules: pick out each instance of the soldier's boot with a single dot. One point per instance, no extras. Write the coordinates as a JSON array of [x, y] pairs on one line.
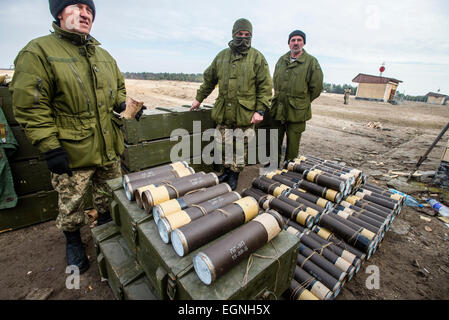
[[224, 177], [441, 178], [104, 218], [76, 254], [233, 180]]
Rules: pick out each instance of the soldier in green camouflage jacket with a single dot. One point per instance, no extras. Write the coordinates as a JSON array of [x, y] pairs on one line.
[[245, 90], [298, 80], [65, 89]]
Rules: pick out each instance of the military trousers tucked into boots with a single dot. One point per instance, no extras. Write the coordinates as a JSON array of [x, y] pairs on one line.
[[294, 131], [73, 194], [233, 146]]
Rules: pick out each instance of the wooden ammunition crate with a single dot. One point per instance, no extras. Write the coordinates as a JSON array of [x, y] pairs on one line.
[[154, 153], [174, 277], [30, 176], [30, 209], [25, 150], [6, 105], [117, 264], [148, 140], [160, 122]]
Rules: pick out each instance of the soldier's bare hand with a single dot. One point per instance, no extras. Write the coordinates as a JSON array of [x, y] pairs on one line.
[[195, 105], [257, 118]]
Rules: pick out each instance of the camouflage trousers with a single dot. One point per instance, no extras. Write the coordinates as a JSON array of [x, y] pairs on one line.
[[74, 191], [231, 145]]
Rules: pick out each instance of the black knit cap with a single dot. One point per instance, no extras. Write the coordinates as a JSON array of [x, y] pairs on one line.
[[297, 33], [56, 6]]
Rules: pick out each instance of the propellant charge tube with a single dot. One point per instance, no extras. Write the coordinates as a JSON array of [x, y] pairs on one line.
[[178, 219], [205, 229], [221, 256]]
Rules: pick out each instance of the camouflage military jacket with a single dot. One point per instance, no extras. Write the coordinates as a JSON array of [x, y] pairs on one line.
[[296, 85], [244, 84], [64, 90]]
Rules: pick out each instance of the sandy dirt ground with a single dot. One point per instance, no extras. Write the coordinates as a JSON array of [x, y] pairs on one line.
[[413, 262]]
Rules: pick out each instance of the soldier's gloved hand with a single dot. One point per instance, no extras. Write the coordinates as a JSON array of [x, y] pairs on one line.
[[58, 161], [121, 107], [139, 114]]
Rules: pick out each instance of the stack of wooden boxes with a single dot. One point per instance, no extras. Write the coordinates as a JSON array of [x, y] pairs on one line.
[[37, 200], [148, 143]]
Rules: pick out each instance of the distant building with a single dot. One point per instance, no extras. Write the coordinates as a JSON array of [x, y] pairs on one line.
[[376, 88], [436, 98]]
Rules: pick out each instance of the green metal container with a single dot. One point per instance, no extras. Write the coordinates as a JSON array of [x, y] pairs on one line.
[[117, 264], [154, 153], [31, 209], [6, 105], [25, 150], [159, 123], [174, 277], [31, 176]]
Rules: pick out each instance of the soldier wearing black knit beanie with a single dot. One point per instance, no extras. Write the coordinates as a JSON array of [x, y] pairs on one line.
[[297, 81], [65, 90], [56, 6]]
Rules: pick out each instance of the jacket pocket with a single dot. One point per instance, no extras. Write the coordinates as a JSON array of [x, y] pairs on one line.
[[80, 146], [74, 134], [117, 121], [119, 143], [277, 111], [299, 103], [246, 111], [218, 110], [248, 103], [299, 109]]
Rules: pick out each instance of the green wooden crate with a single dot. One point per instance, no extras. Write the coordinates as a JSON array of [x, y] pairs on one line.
[[31, 209], [25, 150], [6, 105], [34, 208], [127, 218], [30, 176], [155, 153], [173, 277], [117, 264], [159, 123]]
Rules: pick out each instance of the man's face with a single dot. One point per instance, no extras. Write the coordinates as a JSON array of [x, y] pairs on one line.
[[296, 44], [76, 18], [243, 34]]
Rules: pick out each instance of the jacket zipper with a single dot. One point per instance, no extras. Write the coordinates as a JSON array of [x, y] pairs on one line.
[[293, 80], [82, 87], [38, 90], [110, 88], [243, 75]]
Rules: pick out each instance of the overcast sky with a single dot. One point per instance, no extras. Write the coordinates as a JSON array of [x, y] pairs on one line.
[[347, 37]]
